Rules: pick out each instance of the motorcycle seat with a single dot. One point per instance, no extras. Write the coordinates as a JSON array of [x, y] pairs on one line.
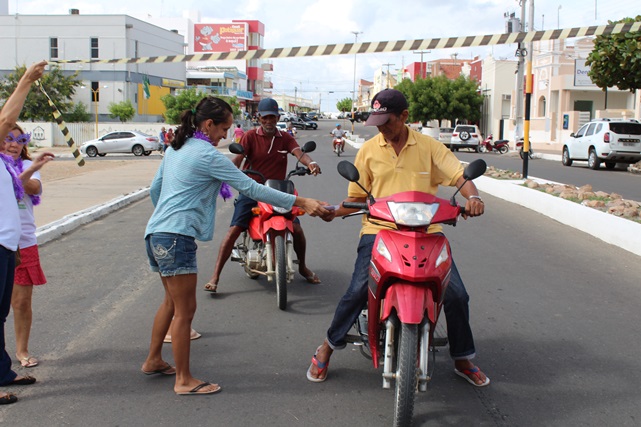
[[285, 186]]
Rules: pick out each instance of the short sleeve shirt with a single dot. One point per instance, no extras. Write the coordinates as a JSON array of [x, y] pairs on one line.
[[268, 154], [422, 165]]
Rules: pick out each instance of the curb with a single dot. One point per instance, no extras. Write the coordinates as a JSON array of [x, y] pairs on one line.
[[68, 223]]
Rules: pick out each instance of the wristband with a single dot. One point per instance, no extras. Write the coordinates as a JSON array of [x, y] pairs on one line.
[[313, 163], [476, 197]]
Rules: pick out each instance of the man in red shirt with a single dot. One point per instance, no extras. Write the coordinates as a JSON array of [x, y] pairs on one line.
[[267, 148]]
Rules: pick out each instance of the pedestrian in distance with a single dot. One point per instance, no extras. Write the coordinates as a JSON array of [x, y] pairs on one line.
[[184, 192], [238, 133]]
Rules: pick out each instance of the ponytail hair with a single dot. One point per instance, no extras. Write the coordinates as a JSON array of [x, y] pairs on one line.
[[209, 107]]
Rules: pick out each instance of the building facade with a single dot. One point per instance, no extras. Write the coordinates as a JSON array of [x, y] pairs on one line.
[[30, 38]]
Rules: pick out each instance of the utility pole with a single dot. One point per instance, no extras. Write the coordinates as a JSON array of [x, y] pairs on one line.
[[387, 65], [520, 53], [353, 119], [528, 95], [421, 52]]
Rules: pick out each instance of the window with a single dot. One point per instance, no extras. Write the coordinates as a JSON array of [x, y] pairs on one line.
[[542, 106], [95, 91], [94, 48], [590, 129], [581, 131], [53, 48]]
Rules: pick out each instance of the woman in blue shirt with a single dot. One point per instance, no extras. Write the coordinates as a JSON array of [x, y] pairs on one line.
[[184, 193]]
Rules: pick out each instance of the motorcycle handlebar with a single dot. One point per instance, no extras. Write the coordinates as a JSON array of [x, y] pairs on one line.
[[253, 172], [355, 205]]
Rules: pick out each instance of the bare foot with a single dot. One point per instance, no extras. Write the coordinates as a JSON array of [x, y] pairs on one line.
[[197, 387], [309, 275], [158, 367]]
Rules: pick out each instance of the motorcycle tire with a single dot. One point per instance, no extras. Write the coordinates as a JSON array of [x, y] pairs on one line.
[[406, 375], [503, 149], [280, 265]]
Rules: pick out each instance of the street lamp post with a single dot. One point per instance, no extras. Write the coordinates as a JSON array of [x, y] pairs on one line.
[[558, 17], [356, 33]]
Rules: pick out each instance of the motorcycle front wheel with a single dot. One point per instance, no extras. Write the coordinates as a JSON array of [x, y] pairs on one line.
[[406, 375], [503, 149], [280, 265]]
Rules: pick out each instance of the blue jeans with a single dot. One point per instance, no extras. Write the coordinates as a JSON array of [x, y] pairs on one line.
[[243, 212], [171, 254], [7, 269], [457, 313]]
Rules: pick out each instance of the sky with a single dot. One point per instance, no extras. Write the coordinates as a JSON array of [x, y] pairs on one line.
[[291, 23]]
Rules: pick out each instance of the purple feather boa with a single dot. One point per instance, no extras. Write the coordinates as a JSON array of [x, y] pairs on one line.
[[35, 199], [9, 163]]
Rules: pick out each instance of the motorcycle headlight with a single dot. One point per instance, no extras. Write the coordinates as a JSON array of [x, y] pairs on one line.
[[382, 249], [281, 210], [413, 214]]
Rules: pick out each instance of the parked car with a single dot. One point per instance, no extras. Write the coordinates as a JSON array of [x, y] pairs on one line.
[[286, 116], [312, 115], [445, 135], [310, 123], [610, 141], [465, 136], [134, 142], [282, 126]]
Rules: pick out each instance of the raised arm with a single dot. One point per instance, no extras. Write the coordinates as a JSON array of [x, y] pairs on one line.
[[11, 109]]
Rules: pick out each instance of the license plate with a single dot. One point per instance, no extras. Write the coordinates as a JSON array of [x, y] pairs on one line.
[[629, 144]]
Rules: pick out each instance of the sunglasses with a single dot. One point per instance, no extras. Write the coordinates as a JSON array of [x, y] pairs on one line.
[[23, 138]]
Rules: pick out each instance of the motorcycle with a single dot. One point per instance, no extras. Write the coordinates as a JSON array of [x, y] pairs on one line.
[[519, 145], [408, 276], [502, 145], [338, 144], [266, 248]]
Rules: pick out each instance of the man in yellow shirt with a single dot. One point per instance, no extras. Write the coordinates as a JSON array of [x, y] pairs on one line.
[[399, 159]]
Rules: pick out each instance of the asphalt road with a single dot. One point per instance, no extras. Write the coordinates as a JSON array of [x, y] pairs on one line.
[[554, 312]]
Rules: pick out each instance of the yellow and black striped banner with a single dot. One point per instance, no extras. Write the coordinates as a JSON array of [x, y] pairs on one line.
[[57, 116], [376, 47]]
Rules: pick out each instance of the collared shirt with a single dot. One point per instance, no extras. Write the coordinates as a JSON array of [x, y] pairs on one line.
[[186, 184], [268, 154], [422, 165]]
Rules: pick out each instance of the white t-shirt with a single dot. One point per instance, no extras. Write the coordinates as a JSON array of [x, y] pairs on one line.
[[338, 133], [27, 219], [9, 215]]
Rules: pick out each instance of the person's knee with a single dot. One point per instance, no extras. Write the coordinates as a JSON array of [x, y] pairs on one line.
[[21, 303]]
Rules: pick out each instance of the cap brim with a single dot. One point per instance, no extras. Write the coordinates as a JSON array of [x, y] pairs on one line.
[[267, 113], [377, 119]]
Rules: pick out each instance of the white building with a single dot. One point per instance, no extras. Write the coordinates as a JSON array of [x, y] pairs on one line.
[[30, 38]]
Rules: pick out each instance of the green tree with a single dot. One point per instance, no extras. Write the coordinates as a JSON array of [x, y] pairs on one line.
[[123, 111], [344, 104], [464, 102], [176, 104], [77, 114], [59, 87], [616, 59]]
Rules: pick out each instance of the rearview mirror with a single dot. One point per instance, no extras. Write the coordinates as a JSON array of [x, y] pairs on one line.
[[236, 148], [309, 147], [572, 135], [475, 169], [348, 171]]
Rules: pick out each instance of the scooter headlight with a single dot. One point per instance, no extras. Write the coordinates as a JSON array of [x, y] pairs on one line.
[[281, 210], [413, 214], [382, 250]]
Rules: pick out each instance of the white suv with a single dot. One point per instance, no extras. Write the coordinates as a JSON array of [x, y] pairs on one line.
[[610, 141], [465, 136]]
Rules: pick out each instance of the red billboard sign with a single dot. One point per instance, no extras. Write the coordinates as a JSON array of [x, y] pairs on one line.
[[220, 37]]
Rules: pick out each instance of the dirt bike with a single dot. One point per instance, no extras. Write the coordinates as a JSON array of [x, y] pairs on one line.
[[501, 146], [519, 145], [408, 276], [267, 247]]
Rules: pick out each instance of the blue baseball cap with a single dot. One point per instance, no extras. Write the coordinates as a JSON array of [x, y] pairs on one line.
[[268, 107]]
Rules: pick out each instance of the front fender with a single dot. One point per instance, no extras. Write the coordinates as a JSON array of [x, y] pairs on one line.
[[410, 301], [278, 223]]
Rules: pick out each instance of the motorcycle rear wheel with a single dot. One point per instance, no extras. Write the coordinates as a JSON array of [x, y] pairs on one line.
[[280, 265], [482, 148], [406, 375], [503, 149]]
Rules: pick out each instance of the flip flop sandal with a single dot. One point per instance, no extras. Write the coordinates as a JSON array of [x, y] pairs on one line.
[[167, 370], [465, 374], [322, 367], [196, 390], [211, 287], [313, 279], [8, 398], [26, 380], [28, 362]]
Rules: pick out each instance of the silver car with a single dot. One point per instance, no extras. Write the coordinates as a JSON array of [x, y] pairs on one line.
[[132, 141]]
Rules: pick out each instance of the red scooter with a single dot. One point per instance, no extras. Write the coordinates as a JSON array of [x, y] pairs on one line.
[[267, 247], [409, 273], [502, 145]]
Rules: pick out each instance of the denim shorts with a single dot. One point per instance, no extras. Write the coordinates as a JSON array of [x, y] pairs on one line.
[[171, 254]]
